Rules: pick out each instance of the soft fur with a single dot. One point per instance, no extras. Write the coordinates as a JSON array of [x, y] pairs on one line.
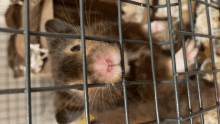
[[106, 103]]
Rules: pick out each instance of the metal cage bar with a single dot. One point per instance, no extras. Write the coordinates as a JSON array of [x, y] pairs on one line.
[[214, 2], [145, 5], [185, 60], [7, 86], [85, 86], [196, 61], [199, 112], [207, 4], [79, 87], [122, 62], [212, 58], [60, 35], [152, 62], [218, 111], [195, 34], [173, 60], [27, 62], [84, 61], [197, 72]]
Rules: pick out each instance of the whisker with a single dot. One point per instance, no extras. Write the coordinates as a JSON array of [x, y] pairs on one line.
[[96, 13], [87, 18], [116, 89], [64, 105], [94, 97], [68, 18], [112, 100]]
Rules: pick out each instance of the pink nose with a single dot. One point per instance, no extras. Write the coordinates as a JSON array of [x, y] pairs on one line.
[[102, 66], [107, 64]]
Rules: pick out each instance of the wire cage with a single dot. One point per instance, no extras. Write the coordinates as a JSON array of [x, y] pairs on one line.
[[29, 90]]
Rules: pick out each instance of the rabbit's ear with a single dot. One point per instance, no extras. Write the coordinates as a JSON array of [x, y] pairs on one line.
[[58, 26]]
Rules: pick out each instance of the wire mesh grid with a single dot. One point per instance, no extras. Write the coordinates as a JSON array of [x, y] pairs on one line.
[[13, 108], [20, 90]]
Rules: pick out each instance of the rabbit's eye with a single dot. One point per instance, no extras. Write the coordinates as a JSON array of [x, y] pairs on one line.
[[75, 48]]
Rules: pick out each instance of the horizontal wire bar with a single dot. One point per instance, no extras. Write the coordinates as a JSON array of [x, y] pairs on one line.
[[60, 35], [207, 4], [196, 72], [199, 112], [214, 2], [11, 91], [78, 86], [145, 5], [194, 34], [162, 120], [150, 82], [148, 43], [162, 6], [10, 30]]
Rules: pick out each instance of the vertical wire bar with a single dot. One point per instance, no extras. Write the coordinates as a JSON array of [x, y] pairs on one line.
[[173, 61], [213, 59], [84, 61], [27, 61], [17, 101], [152, 62], [185, 60], [218, 110], [122, 62], [196, 61], [8, 99], [35, 97]]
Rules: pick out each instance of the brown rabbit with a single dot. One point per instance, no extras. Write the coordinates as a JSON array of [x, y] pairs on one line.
[[104, 67]]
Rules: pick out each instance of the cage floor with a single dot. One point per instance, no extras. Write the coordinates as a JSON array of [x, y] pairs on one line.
[[13, 106]]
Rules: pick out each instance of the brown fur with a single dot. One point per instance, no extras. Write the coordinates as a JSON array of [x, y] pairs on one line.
[[94, 10], [66, 10], [14, 59], [12, 16], [144, 111], [106, 103], [163, 35]]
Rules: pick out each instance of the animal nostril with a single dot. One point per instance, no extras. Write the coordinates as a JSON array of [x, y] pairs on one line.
[[109, 62], [109, 65]]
